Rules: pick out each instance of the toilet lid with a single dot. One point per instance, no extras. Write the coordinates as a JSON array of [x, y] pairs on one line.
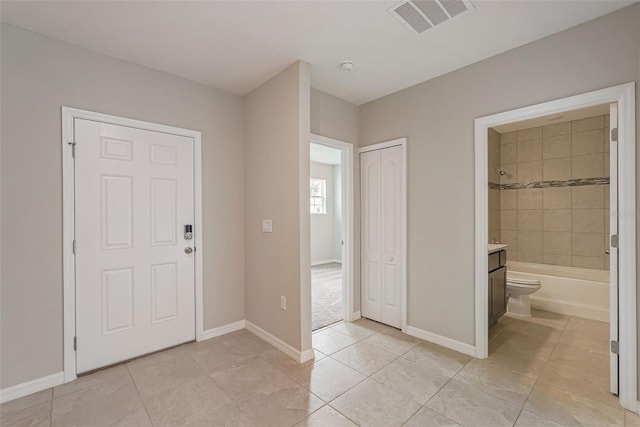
[[526, 282]]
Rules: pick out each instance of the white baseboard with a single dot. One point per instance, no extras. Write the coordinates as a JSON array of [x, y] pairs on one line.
[[221, 330], [357, 315], [296, 355], [326, 261], [443, 341], [29, 387]]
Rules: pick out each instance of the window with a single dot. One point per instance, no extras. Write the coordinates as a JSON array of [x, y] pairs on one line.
[[318, 196]]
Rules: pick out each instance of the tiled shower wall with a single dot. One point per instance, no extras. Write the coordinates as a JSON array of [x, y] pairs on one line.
[[564, 225], [494, 193]]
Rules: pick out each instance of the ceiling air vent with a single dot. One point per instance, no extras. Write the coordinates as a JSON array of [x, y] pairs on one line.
[[420, 15]]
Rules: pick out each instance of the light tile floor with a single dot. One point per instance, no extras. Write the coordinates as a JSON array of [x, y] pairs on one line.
[[550, 370]]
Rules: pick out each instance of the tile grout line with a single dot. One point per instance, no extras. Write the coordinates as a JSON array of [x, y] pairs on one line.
[[144, 405], [51, 410]]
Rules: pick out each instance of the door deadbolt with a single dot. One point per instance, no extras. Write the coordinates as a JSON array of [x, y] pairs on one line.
[[188, 232]]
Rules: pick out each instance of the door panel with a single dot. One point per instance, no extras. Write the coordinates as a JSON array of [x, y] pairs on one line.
[[134, 281], [371, 254]]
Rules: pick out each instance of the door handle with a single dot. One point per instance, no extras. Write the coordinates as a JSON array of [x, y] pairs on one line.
[[188, 250]]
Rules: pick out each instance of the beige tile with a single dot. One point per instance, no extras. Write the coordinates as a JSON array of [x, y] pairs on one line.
[[557, 169], [155, 379], [556, 129], [101, 379], [588, 326], [25, 402], [324, 417], [557, 242], [511, 173], [530, 241], [469, 406], [265, 395], [330, 341], [588, 196], [581, 359], [328, 378], [607, 164], [569, 409], [508, 138], [607, 138], [113, 402], [508, 220], [373, 404], [425, 417], [286, 364], [318, 355], [556, 146], [530, 220], [510, 237], [417, 381], [529, 134], [530, 171], [631, 419], [33, 416], [199, 402], [529, 419], [494, 199], [529, 151], [534, 257], [432, 356], [557, 220], [593, 262], [556, 198], [606, 196], [546, 319], [229, 351], [393, 341], [580, 382], [582, 125], [508, 199], [529, 198], [590, 142], [365, 358], [557, 259], [590, 166], [587, 244], [168, 354], [588, 221], [508, 386], [508, 153], [519, 345]]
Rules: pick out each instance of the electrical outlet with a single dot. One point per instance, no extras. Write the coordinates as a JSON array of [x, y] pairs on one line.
[[283, 302]]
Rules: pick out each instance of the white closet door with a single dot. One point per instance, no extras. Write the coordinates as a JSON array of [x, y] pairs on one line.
[[134, 279], [381, 242], [391, 233]]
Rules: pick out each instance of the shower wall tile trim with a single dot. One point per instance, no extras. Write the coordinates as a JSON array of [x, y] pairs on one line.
[[554, 196]]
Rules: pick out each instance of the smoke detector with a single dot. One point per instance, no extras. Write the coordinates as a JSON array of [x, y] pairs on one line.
[[420, 15], [346, 66]]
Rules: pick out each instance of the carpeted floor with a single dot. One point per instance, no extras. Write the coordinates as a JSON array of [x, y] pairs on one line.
[[326, 295]]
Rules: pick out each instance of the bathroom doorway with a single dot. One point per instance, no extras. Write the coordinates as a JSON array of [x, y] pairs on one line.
[[331, 228], [554, 178]]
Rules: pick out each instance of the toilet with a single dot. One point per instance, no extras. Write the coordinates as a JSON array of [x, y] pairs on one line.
[[518, 291]]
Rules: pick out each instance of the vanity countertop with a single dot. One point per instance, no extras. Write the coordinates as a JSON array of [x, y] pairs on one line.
[[496, 247]]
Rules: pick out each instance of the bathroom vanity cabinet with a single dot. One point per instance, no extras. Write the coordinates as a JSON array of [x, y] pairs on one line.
[[497, 285]]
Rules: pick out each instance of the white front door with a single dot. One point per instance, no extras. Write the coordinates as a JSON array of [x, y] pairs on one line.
[[381, 205], [613, 251], [134, 193]]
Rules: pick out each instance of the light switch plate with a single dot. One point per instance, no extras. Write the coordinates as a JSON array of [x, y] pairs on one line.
[[267, 226]]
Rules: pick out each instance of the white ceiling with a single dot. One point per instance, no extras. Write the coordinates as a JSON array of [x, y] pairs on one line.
[[322, 154], [582, 113], [237, 45]]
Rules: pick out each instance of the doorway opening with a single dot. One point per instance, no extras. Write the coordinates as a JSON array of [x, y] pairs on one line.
[[330, 205], [552, 279]]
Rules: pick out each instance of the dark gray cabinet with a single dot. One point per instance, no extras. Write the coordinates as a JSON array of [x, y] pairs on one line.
[[497, 297]]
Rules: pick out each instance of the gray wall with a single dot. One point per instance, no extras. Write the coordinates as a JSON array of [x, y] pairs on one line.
[[39, 75], [437, 116], [276, 177], [336, 118]]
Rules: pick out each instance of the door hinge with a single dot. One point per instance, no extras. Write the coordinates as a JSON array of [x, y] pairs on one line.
[[74, 247], [75, 343], [615, 347], [73, 149], [614, 134], [614, 240]]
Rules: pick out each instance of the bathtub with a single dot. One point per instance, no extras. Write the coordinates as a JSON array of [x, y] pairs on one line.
[[581, 292]]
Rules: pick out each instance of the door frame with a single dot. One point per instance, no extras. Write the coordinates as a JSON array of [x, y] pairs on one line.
[[68, 218], [402, 142], [624, 95], [346, 149]]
